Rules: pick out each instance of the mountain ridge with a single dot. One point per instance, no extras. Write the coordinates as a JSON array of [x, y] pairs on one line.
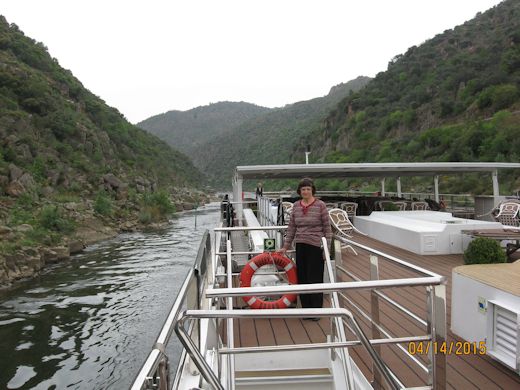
[[250, 140], [187, 130], [452, 98], [72, 169]]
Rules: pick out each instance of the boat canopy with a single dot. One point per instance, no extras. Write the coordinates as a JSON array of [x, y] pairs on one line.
[[382, 170], [286, 171]]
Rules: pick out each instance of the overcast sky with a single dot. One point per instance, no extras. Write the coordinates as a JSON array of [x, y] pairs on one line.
[[149, 57]]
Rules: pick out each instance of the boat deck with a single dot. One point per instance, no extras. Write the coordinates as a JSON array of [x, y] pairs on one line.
[[470, 371]]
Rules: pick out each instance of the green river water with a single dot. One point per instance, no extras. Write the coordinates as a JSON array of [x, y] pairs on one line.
[[90, 323]]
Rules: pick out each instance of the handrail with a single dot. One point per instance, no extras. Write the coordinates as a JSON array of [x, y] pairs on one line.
[[249, 228], [385, 297], [328, 345], [322, 287], [385, 332], [347, 366], [273, 313], [230, 329], [390, 258], [436, 311]]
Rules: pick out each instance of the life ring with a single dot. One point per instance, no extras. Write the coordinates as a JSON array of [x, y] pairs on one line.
[[263, 259]]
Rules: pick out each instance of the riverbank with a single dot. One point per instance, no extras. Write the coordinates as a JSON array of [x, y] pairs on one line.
[[25, 253]]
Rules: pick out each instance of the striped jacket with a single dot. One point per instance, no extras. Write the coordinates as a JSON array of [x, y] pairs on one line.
[[310, 227]]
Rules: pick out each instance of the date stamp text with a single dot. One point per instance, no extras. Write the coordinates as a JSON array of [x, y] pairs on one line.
[[448, 348]]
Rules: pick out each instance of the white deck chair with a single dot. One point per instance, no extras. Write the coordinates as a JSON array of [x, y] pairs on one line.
[[508, 214], [287, 210], [350, 208], [401, 206], [342, 226], [420, 206]]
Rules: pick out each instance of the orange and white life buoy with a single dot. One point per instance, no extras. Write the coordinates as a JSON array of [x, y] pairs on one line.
[[263, 259]]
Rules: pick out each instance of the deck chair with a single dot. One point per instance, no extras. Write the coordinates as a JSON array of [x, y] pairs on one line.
[[350, 208], [508, 213], [331, 205], [342, 226], [401, 206], [287, 210], [420, 206]]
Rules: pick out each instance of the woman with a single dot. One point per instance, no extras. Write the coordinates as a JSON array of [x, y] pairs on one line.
[[259, 190], [309, 223]]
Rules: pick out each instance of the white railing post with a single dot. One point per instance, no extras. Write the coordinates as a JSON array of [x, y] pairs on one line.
[[374, 310], [436, 326], [344, 354], [229, 322]]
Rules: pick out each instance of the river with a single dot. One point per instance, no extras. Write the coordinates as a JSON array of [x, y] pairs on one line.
[[90, 323]]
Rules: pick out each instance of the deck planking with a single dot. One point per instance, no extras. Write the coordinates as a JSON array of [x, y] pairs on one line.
[[462, 372]]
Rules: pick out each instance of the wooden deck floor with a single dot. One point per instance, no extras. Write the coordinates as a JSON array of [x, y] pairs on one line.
[[463, 372]]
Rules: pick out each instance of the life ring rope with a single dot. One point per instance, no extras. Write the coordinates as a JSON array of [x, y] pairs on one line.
[[263, 259]]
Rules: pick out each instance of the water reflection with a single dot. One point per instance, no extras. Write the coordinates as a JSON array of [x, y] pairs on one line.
[[91, 322]]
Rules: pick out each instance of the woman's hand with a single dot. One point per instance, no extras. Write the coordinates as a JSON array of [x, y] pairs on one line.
[[281, 251]]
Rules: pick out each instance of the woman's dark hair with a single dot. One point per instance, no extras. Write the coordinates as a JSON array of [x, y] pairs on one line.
[[306, 182]]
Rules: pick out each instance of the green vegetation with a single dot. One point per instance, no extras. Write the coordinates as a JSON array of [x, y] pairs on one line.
[[71, 154], [50, 121], [103, 204], [188, 130], [250, 135], [156, 207], [454, 98], [484, 251], [51, 218]]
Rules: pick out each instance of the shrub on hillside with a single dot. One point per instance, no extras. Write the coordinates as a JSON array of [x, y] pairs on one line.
[[51, 218], [156, 207], [161, 201], [484, 251], [103, 204], [145, 216]]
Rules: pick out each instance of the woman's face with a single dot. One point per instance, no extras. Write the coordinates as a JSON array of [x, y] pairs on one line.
[[306, 192]]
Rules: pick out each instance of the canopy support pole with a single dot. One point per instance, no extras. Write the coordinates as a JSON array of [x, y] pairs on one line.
[[237, 197], [496, 188], [436, 188]]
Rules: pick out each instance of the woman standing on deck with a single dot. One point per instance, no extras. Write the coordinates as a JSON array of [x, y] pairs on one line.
[[309, 223]]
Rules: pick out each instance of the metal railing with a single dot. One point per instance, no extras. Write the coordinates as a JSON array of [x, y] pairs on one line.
[[435, 322], [431, 280], [222, 293], [346, 315], [154, 373]]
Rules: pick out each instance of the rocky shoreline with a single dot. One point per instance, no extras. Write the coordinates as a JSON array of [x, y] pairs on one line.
[[28, 261]]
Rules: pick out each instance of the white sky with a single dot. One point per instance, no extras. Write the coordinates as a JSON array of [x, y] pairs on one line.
[[149, 57]]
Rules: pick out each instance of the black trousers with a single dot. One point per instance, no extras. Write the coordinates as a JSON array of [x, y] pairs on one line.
[[310, 264]]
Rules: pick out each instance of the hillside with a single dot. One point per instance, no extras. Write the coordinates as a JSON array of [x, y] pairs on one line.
[[270, 137], [71, 164], [453, 98], [186, 131]]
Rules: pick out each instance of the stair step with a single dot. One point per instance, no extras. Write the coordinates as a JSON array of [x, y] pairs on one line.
[[283, 373]]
